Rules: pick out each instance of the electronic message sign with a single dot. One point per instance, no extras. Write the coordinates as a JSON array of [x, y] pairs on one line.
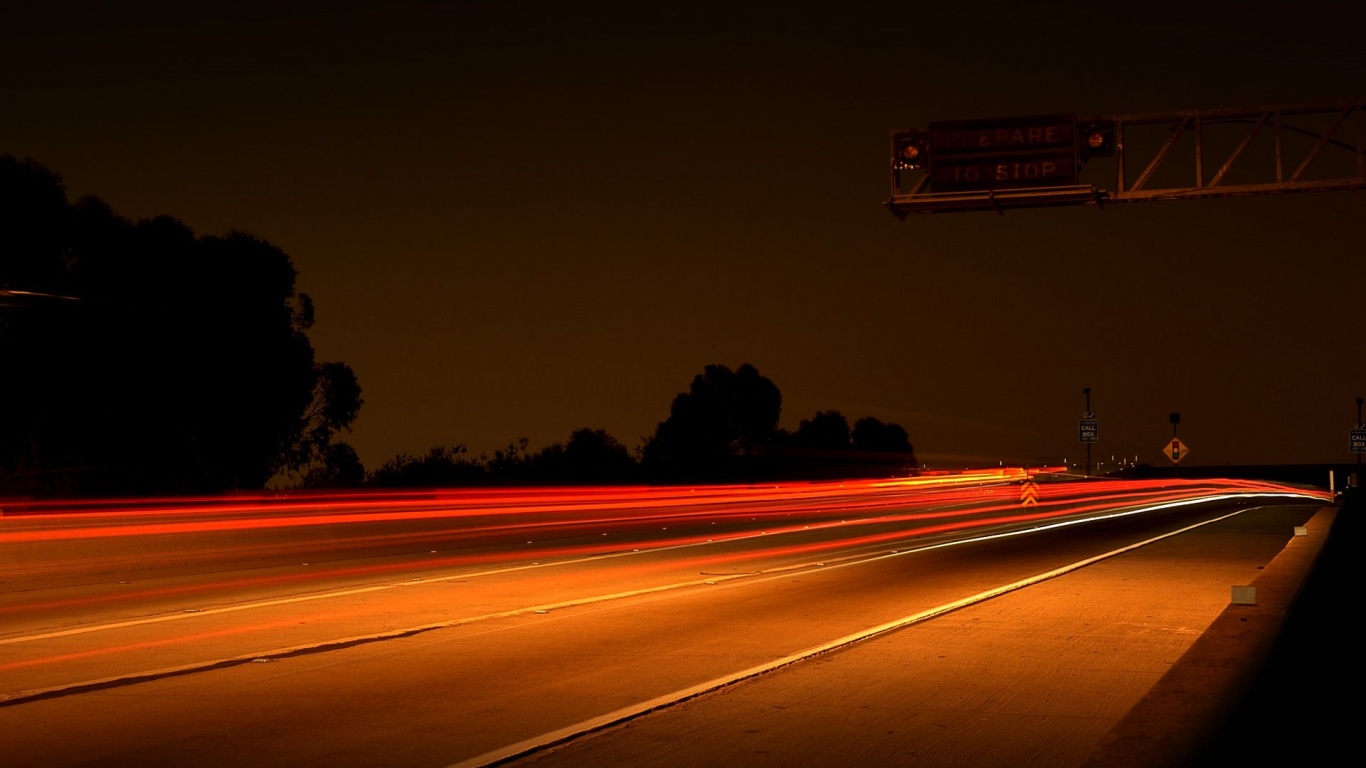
[[1007, 153]]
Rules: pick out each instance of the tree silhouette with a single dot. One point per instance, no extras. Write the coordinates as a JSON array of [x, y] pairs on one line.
[[510, 465], [590, 456], [826, 431], [718, 429], [339, 467], [870, 434], [335, 403], [144, 359], [439, 467], [35, 222]]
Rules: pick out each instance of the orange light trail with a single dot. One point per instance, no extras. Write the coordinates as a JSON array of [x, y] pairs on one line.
[[143, 646], [457, 522]]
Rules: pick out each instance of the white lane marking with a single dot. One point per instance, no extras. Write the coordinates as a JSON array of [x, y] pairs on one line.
[[567, 733]]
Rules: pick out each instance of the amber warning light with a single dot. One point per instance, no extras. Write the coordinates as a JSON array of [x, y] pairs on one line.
[[1097, 140], [912, 149]]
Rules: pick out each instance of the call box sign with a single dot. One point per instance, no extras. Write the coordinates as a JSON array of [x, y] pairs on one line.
[[1089, 430]]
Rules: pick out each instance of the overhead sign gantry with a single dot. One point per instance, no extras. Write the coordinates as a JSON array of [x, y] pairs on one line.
[[1037, 161]]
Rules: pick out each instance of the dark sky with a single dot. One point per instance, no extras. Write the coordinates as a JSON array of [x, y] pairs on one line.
[[522, 218]]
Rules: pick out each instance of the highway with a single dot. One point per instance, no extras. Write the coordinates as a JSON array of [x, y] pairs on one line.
[[473, 627]]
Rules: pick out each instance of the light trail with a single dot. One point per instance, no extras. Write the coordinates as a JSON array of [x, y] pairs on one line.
[[60, 521], [143, 646], [755, 530], [556, 522], [476, 527]]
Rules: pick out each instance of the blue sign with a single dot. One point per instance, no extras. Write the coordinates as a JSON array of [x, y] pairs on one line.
[[1090, 430], [1357, 439]]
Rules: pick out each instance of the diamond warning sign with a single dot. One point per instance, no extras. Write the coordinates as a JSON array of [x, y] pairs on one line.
[[1175, 450]]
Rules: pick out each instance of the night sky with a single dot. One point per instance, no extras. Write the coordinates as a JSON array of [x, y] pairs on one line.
[[522, 218]]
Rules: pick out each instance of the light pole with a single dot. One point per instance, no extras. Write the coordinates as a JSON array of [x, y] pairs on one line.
[[1174, 418]]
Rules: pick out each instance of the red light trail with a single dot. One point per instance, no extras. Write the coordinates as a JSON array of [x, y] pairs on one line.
[[91, 586], [471, 527]]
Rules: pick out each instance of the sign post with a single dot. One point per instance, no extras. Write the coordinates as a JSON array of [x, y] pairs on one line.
[[1175, 450]]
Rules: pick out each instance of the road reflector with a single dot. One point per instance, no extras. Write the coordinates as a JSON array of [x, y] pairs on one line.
[[1244, 595], [1300, 530]]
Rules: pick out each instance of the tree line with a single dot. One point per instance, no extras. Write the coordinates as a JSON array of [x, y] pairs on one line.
[[141, 358], [724, 428]]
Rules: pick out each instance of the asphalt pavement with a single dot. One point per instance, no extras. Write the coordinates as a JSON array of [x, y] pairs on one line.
[[1044, 676]]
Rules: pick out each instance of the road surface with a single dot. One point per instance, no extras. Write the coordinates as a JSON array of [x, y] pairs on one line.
[[219, 650]]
